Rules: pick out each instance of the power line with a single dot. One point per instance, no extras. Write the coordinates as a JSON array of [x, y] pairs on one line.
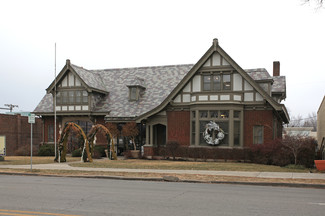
[[11, 107]]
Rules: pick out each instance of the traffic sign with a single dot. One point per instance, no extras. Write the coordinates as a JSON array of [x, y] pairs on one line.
[[31, 118]]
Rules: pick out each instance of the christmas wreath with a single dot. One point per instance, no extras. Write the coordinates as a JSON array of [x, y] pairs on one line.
[[208, 133]]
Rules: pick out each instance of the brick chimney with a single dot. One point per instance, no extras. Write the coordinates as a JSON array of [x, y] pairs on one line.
[[276, 68]]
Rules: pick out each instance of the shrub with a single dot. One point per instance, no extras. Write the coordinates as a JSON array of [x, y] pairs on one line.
[[172, 147], [23, 150], [291, 150], [307, 155], [76, 153], [99, 151], [271, 153], [46, 150], [162, 151]]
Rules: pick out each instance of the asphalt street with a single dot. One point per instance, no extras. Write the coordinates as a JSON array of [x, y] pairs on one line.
[[81, 196]]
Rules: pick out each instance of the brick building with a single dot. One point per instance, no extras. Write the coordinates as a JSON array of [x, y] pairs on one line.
[[213, 104], [16, 132]]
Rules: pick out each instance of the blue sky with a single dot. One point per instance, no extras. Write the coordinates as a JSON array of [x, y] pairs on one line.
[[110, 34]]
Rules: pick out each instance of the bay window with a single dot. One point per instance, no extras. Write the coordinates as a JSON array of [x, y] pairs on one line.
[[229, 122]]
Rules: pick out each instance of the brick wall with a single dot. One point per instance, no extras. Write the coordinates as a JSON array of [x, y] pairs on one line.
[[257, 117], [17, 131], [179, 127], [100, 136], [49, 120]]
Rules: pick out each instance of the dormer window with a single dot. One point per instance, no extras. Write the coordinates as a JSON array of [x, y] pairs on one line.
[[134, 93], [136, 88]]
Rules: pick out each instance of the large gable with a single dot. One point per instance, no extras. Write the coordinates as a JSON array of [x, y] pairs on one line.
[[217, 79]]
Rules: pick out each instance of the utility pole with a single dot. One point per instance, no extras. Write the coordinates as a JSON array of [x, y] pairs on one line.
[[11, 107]]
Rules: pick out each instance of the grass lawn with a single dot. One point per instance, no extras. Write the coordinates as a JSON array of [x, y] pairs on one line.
[[22, 160], [187, 165], [156, 164]]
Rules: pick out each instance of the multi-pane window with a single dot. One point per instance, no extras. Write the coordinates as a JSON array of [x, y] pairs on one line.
[[193, 133], [206, 83], [64, 97], [226, 83], [229, 122], [216, 82], [72, 97], [193, 127], [50, 133], [221, 117], [84, 97], [78, 97], [258, 131], [236, 128]]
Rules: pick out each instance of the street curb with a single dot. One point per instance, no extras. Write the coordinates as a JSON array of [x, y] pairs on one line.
[[272, 184]]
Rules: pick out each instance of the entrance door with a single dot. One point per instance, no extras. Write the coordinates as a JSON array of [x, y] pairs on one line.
[[159, 135]]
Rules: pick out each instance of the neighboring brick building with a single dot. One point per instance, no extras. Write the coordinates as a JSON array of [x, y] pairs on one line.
[[17, 131], [213, 104]]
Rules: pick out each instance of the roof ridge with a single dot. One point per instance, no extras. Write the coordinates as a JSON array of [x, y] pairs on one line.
[[142, 67], [255, 69]]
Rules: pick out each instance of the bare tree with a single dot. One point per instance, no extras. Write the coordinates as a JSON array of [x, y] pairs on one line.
[[295, 144], [296, 121], [130, 130], [311, 121], [319, 3]]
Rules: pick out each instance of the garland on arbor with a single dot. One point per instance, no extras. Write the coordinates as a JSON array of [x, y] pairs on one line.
[[63, 139], [91, 136]]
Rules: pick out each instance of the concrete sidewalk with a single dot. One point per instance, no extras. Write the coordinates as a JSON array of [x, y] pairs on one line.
[[276, 175]]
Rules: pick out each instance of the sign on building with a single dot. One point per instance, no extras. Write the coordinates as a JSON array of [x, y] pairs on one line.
[[2, 145]]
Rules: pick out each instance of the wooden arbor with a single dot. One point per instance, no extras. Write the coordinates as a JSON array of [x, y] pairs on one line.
[[101, 128], [62, 147]]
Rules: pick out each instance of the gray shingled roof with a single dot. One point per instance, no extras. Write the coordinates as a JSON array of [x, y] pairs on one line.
[[93, 80], [46, 104], [258, 74], [279, 84], [156, 82], [159, 82]]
